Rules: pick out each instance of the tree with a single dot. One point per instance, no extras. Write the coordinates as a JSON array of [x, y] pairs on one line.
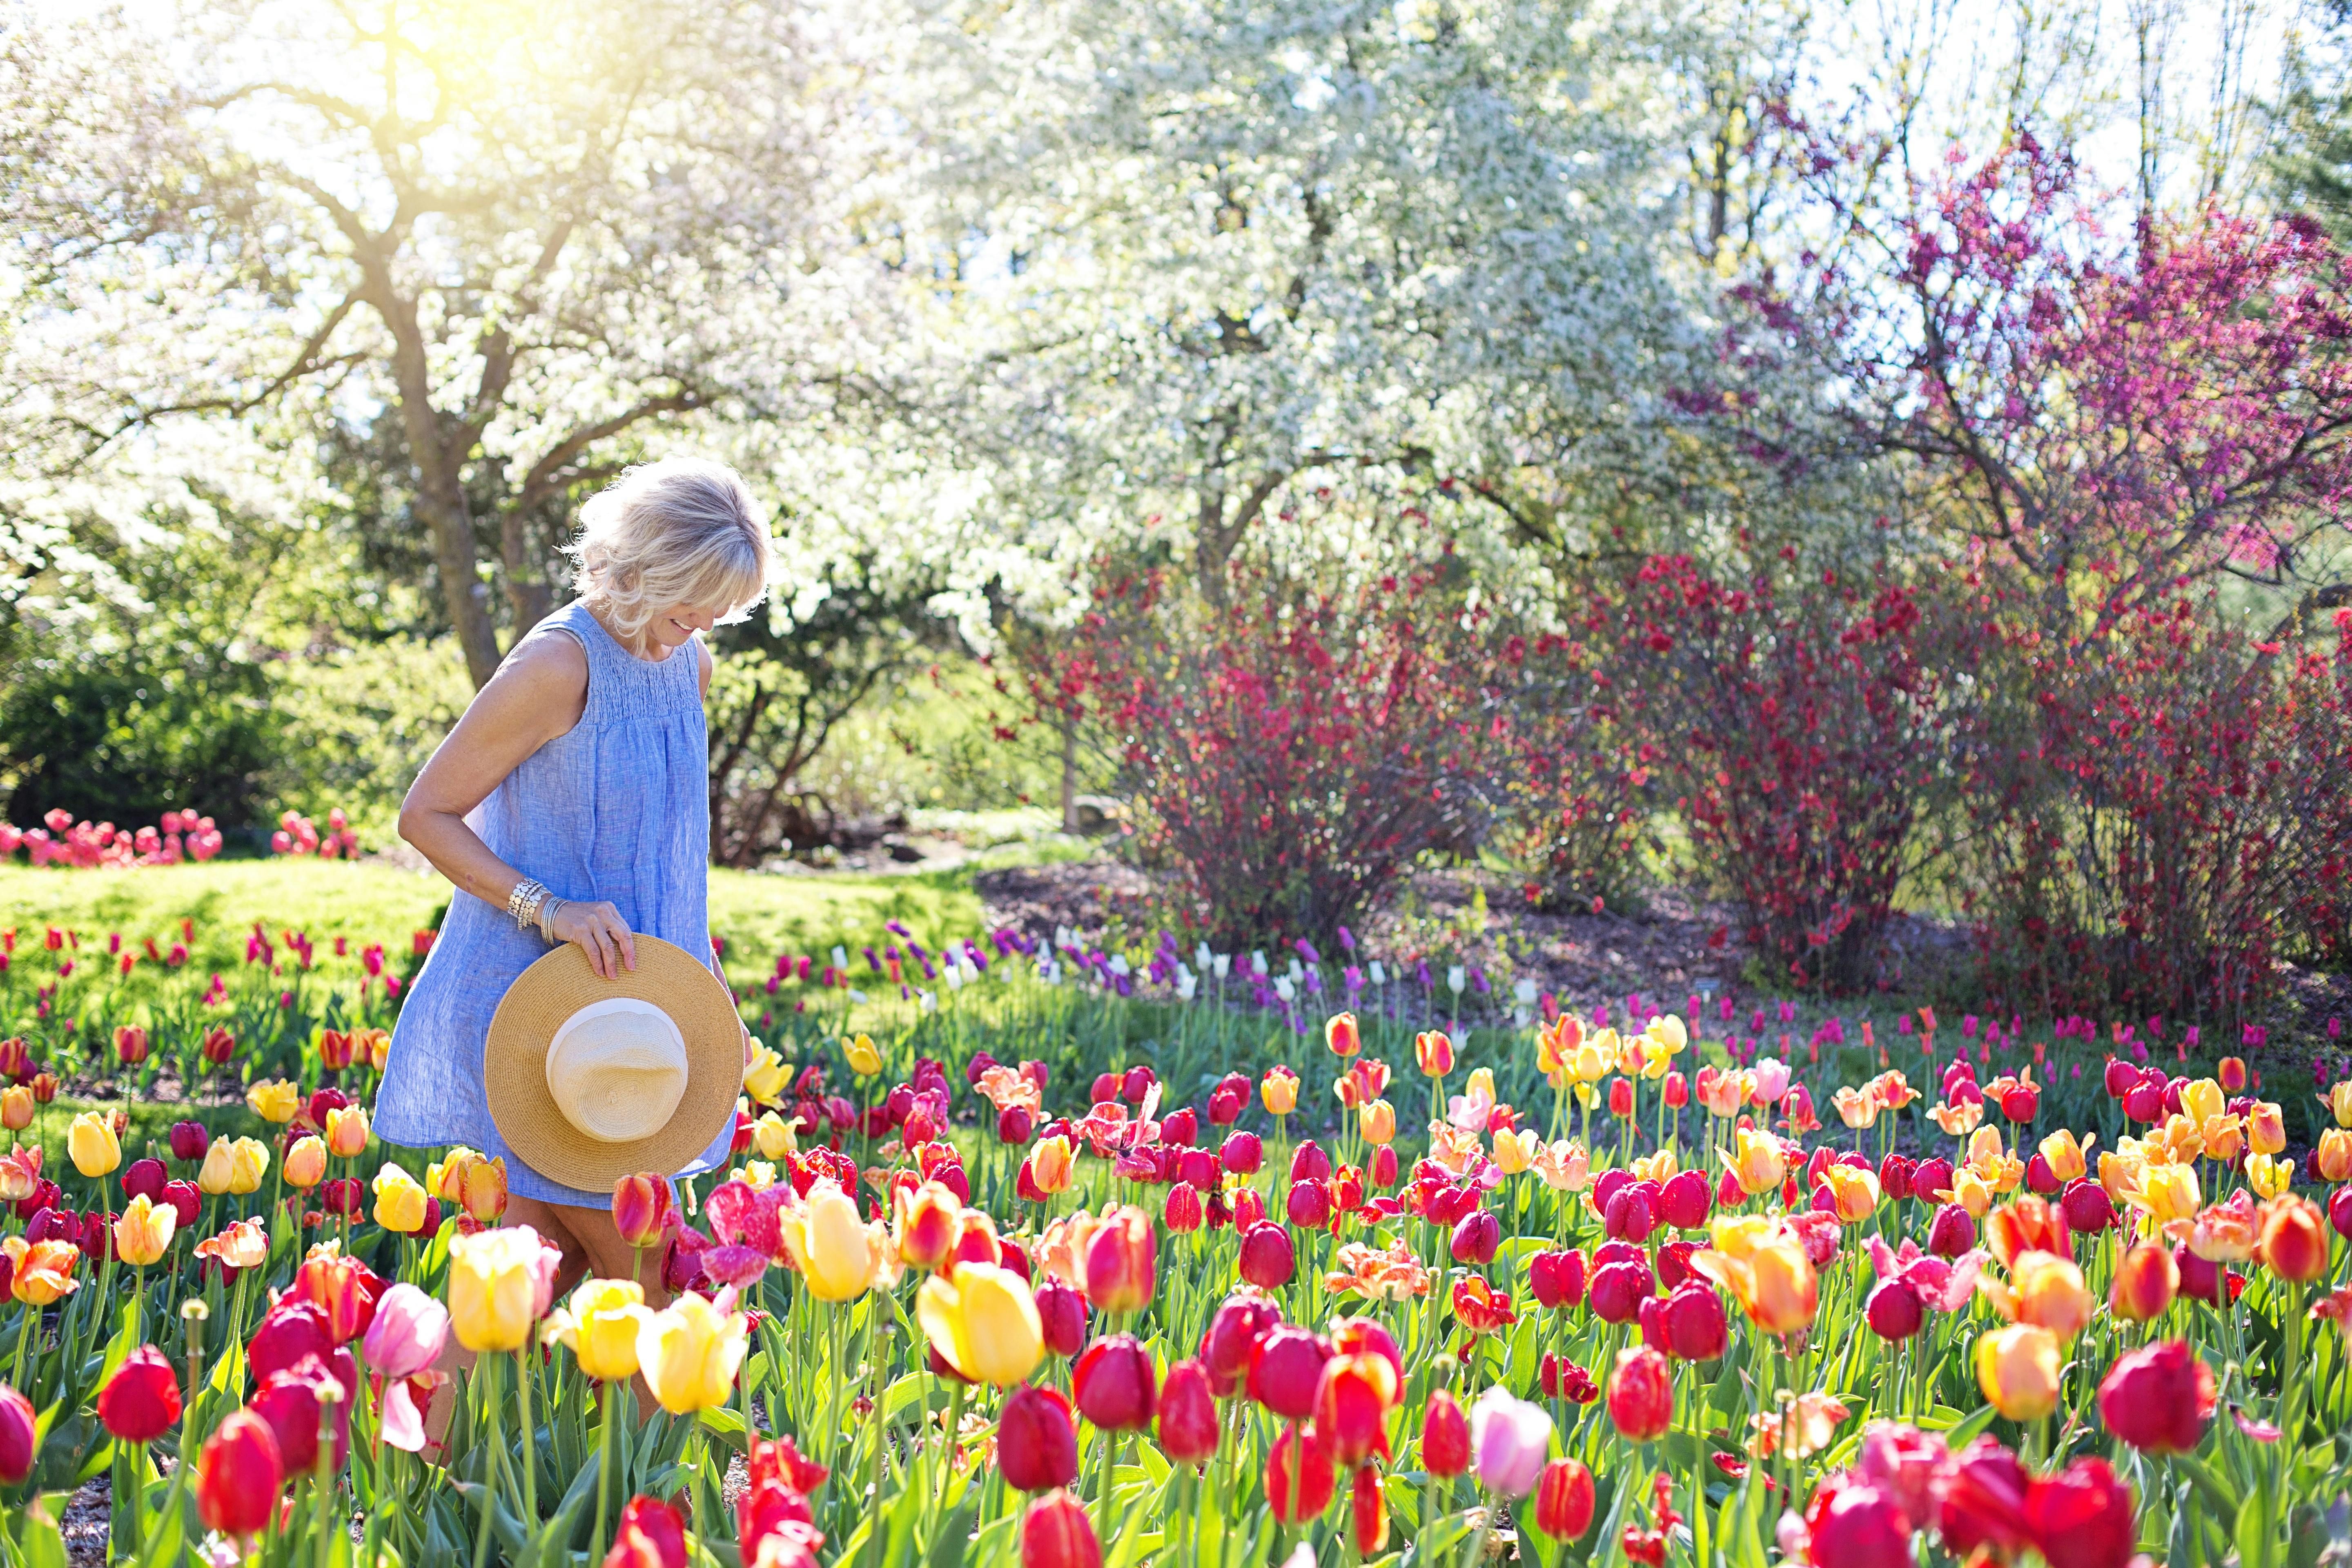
[[536, 233]]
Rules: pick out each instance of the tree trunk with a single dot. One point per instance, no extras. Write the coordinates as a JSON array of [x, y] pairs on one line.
[[529, 595], [1069, 775], [466, 596]]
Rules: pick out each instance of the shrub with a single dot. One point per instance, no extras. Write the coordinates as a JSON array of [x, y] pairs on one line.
[[1298, 750], [121, 738], [1795, 717], [1582, 805], [2163, 803]]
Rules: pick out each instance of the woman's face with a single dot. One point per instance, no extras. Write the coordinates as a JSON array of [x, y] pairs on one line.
[[670, 628]]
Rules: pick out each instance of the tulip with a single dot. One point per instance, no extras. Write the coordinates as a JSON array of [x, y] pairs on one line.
[[688, 1352], [1188, 1431], [1764, 1264], [1037, 1440], [1952, 1232], [1476, 1236], [1267, 1257], [1299, 1477], [1693, 1318], [984, 1322], [144, 1231], [399, 1200], [2088, 1207], [1339, 1033], [1181, 1212], [1510, 1439], [2017, 1368], [1121, 1262], [41, 1272], [1564, 1500], [652, 1535], [1377, 1123], [2292, 1241], [2158, 1398], [1113, 1384], [291, 1401], [1286, 1368], [15, 1108], [240, 1475], [2082, 1515], [141, 1400], [1854, 1193], [1061, 1316], [1352, 1406], [600, 1326], [1280, 1089], [1641, 1395], [927, 1221], [2333, 1159], [1444, 1436], [2265, 1128], [495, 1284], [1052, 1164], [1981, 1497], [275, 1100], [1756, 1163], [347, 1132], [644, 1209], [306, 1162], [407, 1333], [19, 1437], [1056, 1534], [1432, 1050], [92, 1144], [241, 1245], [2146, 1279], [1557, 1278], [830, 1245], [1893, 1309], [2046, 1291], [1855, 1523]]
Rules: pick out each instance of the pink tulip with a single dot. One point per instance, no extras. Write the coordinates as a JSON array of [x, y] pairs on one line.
[[1510, 1439]]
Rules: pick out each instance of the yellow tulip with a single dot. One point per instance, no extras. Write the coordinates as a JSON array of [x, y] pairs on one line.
[[2339, 1102], [41, 1271], [983, 1322], [1377, 1122], [766, 1078], [1762, 1263], [306, 1162], [2203, 1100], [2047, 1291], [15, 1108], [2265, 1129], [1971, 1192], [2017, 1367], [92, 1145], [1659, 1167], [1279, 1090], [1855, 1191], [494, 1284], [864, 1059], [1052, 1163], [757, 1175], [1515, 1150], [2334, 1154], [2221, 1135], [1758, 1164], [347, 1132], [274, 1100], [471, 1182], [248, 1163], [1856, 1107], [600, 1326], [2064, 1156], [399, 1200], [774, 1135], [831, 1245], [144, 1231], [688, 1352], [2120, 1170], [2168, 1192], [2268, 1175]]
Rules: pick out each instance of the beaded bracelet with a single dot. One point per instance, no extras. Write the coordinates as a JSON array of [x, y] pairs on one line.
[[522, 904]]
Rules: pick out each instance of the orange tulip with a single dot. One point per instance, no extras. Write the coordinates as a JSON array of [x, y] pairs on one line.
[[2292, 1241], [2146, 1281], [1434, 1049], [1280, 1089], [1762, 1263], [2017, 1367], [1051, 1164]]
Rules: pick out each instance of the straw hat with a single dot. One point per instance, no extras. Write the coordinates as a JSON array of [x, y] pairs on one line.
[[591, 1080]]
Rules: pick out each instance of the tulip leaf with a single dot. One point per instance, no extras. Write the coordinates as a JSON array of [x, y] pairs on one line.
[[39, 1543], [725, 1422], [949, 1546], [1965, 1431], [2216, 1493], [2256, 1541]]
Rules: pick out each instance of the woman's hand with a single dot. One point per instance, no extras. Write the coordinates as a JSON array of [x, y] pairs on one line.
[[598, 931]]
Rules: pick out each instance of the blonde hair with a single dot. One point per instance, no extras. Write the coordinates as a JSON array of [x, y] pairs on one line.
[[682, 530]]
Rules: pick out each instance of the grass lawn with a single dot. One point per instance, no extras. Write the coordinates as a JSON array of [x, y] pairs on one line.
[[758, 915]]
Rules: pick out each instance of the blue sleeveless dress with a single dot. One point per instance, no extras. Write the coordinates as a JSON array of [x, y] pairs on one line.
[[618, 808]]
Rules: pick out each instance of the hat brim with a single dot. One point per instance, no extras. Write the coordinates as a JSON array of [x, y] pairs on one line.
[[514, 1064]]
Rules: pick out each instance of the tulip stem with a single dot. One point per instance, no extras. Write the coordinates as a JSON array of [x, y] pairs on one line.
[[28, 1312], [529, 1441], [604, 1479], [486, 1368]]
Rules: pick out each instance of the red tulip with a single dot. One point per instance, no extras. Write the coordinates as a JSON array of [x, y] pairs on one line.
[[1983, 1500], [186, 1203], [19, 1440], [1122, 1262], [1182, 1214], [1894, 1310], [1285, 1369], [1952, 1233], [2339, 1211], [1476, 1236], [1062, 1313], [1621, 1097], [1187, 1414], [1561, 1378], [1308, 1205], [1229, 1344], [141, 1400], [1368, 1506], [2081, 1517], [1696, 1328], [344, 1291], [144, 1177], [290, 1331], [2087, 1206], [1300, 1478], [1684, 1201], [1633, 1211], [239, 1475], [1242, 1153], [1557, 1278], [290, 1402], [1058, 1534], [1855, 1523], [1036, 1440], [1564, 1500], [2158, 1398], [1352, 1406], [1619, 1288], [1444, 1436], [644, 1209], [1113, 1384], [1267, 1257], [1229, 1100], [2146, 1281], [1641, 1395]]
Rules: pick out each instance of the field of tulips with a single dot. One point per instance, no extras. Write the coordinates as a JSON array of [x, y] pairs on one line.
[[1037, 1253]]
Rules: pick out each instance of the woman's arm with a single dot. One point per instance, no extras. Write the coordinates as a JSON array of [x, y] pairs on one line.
[[537, 695]]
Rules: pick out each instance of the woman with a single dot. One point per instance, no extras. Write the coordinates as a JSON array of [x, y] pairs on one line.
[[582, 765]]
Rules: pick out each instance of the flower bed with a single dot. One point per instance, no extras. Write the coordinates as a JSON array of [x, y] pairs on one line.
[[1036, 1252]]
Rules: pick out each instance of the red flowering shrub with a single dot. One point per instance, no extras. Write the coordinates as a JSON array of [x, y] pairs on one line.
[[1585, 794], [1795, 719], [2161, 807], [1298, 750]]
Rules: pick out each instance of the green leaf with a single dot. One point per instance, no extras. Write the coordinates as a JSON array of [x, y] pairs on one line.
[[38, 1540], [2216, 1493], [955, 1532]]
